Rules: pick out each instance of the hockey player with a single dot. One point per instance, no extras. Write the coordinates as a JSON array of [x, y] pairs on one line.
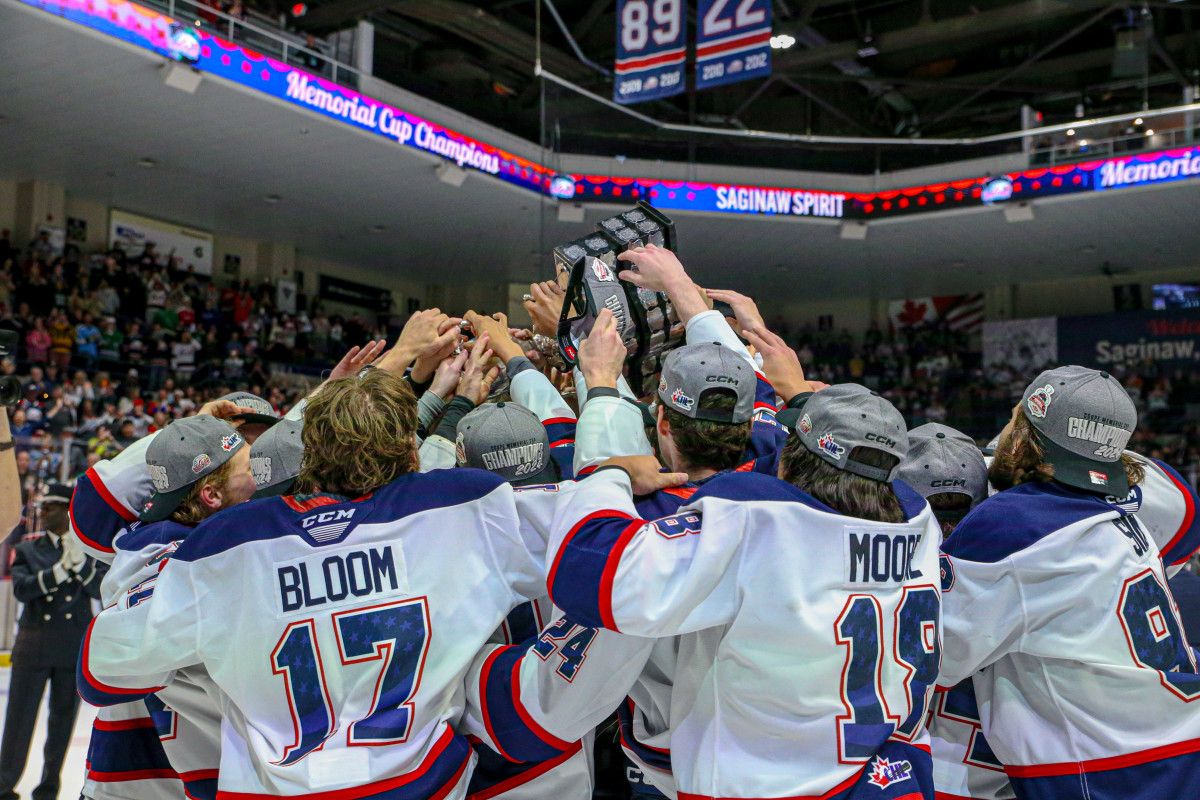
[[199, 465], [757, 570], [340, 624], [715, 415], [947, 468], [1057, 589]]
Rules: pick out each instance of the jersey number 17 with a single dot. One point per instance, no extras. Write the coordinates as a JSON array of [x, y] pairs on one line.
[[395, 634]]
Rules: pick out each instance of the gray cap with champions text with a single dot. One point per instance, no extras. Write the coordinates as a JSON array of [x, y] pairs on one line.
[[943, 460], [183, 453], [1084, 419], [275, 458], [692, 371], [261, 411], [507, 439], [834, 421]]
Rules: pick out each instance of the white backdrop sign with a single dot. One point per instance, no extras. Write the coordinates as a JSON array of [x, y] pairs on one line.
[[130, 232]]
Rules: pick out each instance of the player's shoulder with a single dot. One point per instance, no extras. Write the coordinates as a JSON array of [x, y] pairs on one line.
[[751, 487], [139, 535], [415, 492], [1016, 519], [248, 522]]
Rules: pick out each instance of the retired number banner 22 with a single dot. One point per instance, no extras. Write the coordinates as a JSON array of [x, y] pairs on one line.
[[651, 50], [733, 41]]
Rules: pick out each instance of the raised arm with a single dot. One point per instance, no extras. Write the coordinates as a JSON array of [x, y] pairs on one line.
[[608, 568]]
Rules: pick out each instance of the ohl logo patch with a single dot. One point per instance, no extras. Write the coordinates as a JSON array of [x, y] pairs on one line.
[[830, 447], [884, 772], [682, 400]]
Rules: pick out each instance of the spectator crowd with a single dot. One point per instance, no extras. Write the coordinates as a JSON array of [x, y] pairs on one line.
[[114, 347]]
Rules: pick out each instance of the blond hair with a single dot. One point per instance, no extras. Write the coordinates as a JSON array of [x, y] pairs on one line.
[[192, 510], [359, 434]]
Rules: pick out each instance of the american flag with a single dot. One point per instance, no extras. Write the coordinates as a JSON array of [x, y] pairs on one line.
[[960, 312]]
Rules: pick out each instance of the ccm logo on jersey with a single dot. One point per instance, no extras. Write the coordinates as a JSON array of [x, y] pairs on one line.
[[875, 557], [318, 580]]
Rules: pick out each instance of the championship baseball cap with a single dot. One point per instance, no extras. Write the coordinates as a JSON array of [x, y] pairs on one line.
[[263, 413], [181, 454], [940, 460], [836, 420], [509, 440], [692, 371], [275, 458], [1083, 418]]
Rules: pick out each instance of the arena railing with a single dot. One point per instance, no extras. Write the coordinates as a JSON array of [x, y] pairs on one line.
[[1086, 147], [276, 43]]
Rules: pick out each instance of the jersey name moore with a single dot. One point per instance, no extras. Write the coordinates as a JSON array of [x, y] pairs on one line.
[[873, 557]]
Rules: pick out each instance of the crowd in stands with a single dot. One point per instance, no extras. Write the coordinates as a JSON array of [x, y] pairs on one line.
[[113, 347], [934, 374]]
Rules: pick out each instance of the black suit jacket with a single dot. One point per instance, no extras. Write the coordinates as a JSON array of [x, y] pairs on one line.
[[56, 614]]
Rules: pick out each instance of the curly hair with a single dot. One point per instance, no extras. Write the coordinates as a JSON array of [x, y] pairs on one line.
[[359, 434], [1020, 458], [191, 509], [845, 492], [708, 444]]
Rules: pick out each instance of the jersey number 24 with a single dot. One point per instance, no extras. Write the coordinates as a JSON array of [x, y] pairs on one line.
[[395, 634]]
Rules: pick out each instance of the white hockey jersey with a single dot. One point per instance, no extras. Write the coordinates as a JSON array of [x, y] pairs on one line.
[[1062, 597], [186, 713], [780, 577], [964, 765], [339, 631]]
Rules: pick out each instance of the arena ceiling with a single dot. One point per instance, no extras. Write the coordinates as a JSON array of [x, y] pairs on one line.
[[945, 68], [81, 110]]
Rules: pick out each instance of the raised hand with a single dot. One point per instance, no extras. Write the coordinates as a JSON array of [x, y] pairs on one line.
[[602, 354], [780, 362], [447, 375], [356, 358], [746, 311], [476, 380]]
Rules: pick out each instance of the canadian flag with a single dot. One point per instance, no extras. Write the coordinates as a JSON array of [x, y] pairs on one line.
[[960, 312]]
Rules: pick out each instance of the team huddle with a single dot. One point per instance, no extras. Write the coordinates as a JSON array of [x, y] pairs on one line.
[[778, 588]]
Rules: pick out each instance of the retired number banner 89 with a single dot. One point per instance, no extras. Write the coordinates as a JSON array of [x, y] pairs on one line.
[[733, 41], [651, 50]]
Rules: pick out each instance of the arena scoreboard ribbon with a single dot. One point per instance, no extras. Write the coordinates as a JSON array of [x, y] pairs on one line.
[[651, 50], [733, 41]]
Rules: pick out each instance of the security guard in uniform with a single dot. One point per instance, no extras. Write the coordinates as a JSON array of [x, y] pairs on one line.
[[56, 582]]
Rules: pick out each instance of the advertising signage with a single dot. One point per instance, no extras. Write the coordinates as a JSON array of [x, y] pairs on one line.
[[212, 54]]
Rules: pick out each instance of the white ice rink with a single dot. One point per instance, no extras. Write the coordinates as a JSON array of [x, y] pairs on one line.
[[73, 767]]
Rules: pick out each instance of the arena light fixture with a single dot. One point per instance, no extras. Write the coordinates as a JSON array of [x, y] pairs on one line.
[[449, 173], [782, 41], [181, 77], [1070, 131], [1149, 131], [1138, 122], [856, 231], [570, 212], [1018, 212]]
